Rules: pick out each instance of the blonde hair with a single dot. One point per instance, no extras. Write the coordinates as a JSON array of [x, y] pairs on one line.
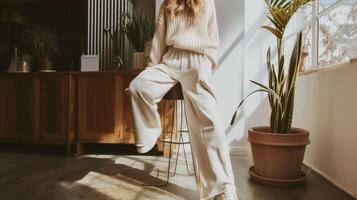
[[192, 8]]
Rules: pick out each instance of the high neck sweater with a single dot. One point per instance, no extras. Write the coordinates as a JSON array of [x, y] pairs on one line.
[[201, 36]]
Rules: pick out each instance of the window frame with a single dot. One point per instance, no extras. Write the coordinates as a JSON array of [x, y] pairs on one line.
[[314, 22]]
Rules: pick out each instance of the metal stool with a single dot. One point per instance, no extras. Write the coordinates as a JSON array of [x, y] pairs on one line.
[[176, 95]]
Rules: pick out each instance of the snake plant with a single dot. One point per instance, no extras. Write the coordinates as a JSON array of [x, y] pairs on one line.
[[281, 86], [138, 30]]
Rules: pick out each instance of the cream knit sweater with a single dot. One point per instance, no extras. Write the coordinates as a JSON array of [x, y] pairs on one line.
[[201, 36]]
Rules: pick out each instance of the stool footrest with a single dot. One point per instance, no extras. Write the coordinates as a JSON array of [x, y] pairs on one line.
[[177, 131], [169, 142]]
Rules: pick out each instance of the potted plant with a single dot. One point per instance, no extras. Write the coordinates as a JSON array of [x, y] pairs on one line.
[[114, 34], [278, 150], [139, 31], [41, 44]]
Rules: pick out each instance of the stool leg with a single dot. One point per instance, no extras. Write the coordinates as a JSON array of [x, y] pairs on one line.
[[171, 138], [169, 163], [189, 136], [186, 161], [183, 112], [178, 153], [181, 141], [180, 138]]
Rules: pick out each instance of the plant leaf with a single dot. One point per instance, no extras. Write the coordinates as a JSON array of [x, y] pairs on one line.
[[274, 31], [270, 91]]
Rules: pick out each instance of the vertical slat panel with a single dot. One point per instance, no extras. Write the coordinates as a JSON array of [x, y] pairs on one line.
[[120, 5], [104, 14], [109, 42], [95, 11], [107, 26], [126, 44], [110, 48], [91, 36], [121, 34], [88, 26], [100, 19]]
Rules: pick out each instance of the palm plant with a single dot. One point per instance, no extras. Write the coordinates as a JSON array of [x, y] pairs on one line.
[[41, 44], [138, 30], [281, 87]]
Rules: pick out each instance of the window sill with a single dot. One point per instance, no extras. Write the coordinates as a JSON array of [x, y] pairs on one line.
[[329, 67]]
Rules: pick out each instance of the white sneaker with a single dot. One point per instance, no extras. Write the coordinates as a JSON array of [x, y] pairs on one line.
[[146, 148], [228, 194]]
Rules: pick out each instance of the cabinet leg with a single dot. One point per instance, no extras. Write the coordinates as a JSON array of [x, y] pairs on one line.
[[68, 149], [79, 147], [160, 145], [167, 151]]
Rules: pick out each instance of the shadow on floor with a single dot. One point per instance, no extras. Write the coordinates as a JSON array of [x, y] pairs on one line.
[[40, 172], [34, 172]]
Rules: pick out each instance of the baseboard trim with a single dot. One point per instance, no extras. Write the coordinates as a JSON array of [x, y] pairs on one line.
[[238, 151], [331, 180]]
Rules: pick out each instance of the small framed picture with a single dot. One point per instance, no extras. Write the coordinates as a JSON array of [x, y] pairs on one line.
[[90, 63]]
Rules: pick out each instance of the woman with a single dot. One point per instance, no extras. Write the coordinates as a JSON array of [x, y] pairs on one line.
[[184, 50]]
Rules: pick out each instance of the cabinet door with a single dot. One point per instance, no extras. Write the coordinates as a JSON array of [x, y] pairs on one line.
[[17, 107], [53, 107], [99, 108], [2, 96]]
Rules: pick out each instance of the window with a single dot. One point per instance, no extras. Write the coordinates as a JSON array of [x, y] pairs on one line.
[[325, 4], [338, 33], [307, 50], [302, 20], [330, 32]]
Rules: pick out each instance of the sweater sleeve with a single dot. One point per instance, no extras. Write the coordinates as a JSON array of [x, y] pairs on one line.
[[159, 47], [213, 34]]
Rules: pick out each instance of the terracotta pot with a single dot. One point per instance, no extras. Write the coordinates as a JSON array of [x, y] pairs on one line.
[[278, 156], [139, 60], [45, 65]]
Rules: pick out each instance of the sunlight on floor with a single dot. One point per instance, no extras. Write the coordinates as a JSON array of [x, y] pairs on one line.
[[118, 187], [129, 183]]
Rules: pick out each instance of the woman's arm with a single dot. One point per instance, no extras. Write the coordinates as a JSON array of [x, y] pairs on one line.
[[213, 35], [213, 27], [159, 47]]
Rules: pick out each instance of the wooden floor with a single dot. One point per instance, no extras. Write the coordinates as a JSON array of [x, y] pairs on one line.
[[26, 173]]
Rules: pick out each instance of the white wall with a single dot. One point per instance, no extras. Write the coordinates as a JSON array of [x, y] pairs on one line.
[[326, 105], [257, 41], [228, 79]]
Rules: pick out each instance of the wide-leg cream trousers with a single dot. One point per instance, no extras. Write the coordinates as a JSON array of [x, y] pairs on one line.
[[209, 147]]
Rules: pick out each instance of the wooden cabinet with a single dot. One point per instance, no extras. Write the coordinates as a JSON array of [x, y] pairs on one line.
[[67, 108], [35, 108], [54, 108], [100, 107], [17, 107], [104, 109]]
